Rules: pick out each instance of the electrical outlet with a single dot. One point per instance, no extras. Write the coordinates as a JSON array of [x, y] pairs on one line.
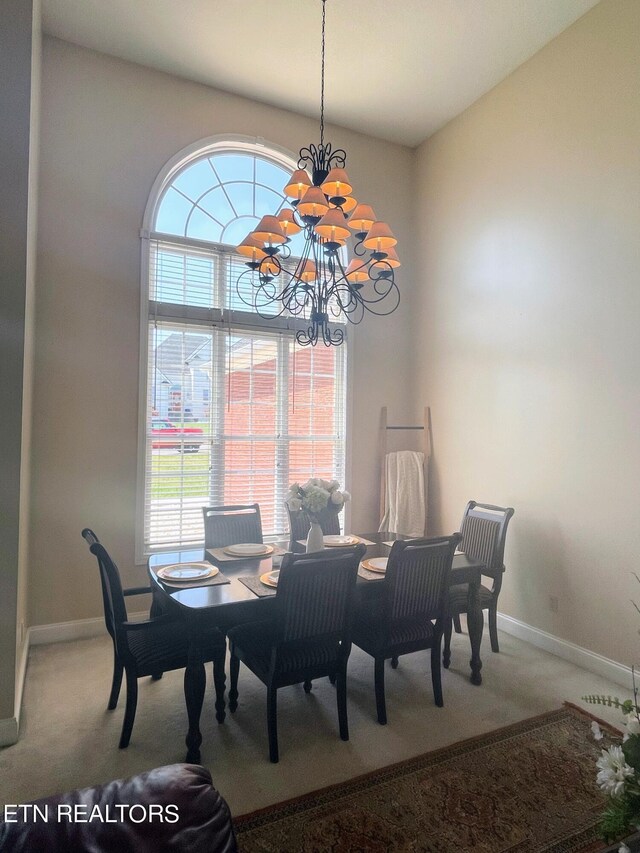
[[553, 603]]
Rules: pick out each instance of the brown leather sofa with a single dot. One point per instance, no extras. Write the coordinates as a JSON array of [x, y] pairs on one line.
[[173, 808]]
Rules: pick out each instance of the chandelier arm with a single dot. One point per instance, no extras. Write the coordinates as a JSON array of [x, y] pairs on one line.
[[320, 159], [343, 285], [295, 294], [391, 290], [359, 249]]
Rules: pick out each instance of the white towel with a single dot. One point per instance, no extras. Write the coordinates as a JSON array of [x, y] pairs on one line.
[[404, 498]]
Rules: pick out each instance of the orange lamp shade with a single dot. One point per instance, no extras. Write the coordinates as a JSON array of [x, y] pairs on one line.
[[392, 260], [357, 271], [308, 272], [269, 231], [313, 203], [380, 237], [362, 218], [347, 205], [298, 184], [332, 226], [336, 183], [288, 223], [251, 248], [269, 267]]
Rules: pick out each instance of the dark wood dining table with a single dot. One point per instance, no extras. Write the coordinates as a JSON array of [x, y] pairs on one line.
[[227, 604]]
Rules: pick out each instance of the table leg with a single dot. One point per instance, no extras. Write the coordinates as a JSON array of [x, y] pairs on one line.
[[195, 681], [475, 624]]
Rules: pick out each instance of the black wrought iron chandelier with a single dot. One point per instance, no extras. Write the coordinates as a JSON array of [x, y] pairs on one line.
[[317, 284]]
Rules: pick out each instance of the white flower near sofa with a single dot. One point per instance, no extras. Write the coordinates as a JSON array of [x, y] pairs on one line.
[[619, 769], [613, 771], [318, 498]]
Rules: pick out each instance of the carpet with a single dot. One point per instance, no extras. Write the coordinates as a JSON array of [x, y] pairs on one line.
[[526, 788]]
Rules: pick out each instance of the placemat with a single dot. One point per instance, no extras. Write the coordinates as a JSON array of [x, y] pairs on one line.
[[219, 555], [254, 583], [369, 575], [214, 581]]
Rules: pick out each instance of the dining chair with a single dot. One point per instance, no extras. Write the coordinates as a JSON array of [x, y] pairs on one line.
[[230, 525], [156, 610], [484, 532], [412, 613], [299, 525], [309, 635], [147, 647]]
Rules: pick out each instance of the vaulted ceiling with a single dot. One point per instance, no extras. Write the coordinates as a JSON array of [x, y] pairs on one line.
[[396, 69]]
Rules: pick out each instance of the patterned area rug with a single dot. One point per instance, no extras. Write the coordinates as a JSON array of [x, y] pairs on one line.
[[526, 788]]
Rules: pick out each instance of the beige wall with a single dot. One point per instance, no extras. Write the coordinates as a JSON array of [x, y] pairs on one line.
[[108, 127], [526, 325]]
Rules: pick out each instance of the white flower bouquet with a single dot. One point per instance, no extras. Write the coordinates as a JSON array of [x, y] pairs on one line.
[[318, 498], [619, 770]]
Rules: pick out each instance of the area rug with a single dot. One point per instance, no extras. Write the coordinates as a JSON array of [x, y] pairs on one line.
[[526, 788]]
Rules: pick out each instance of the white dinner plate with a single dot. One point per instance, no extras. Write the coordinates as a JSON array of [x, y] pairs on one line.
[[187, 571], [376, 564], [338, 541], [249, 549]]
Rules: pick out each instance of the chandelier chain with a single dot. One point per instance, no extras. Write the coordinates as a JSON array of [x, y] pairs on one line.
[[324, 15]]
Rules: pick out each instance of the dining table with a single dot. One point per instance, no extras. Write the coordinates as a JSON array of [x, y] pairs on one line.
[[225, 601]]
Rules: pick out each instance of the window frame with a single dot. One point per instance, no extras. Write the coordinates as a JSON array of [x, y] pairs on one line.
[[212, 317]]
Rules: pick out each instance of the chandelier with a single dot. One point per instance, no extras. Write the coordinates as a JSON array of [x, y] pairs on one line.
[[317, 284]]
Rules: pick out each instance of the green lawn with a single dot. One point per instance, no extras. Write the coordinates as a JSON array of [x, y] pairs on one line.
[[172, 470]]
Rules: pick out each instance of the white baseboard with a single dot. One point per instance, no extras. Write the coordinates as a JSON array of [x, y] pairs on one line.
[[85, 628], [8, 731], [10, 727], [591, 661], [80, 629]]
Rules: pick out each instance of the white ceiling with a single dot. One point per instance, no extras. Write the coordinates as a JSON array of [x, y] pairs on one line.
[[396, 69]]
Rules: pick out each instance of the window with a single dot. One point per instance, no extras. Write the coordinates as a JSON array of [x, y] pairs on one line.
[[233, 409]]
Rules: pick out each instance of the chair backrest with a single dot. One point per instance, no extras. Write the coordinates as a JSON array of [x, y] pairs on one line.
[[230, 525], [315, 592], [484, 531], [115, 610], [418, 577], [299, 525]]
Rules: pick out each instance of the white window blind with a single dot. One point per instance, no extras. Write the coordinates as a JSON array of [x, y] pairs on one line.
[[234, 418]]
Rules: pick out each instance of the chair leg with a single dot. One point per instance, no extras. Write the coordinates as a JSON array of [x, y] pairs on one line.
[[130, 710], [436, 673], [156, 608], [219, 681], [446, 655], [116, 681], [272, 723], [307, 686], [341, 691], [456, 624], [381, 707], [155, 611], [493, 626], [234, 669], [394, 663]]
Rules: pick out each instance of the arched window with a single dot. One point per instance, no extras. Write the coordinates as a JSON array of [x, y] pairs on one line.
[[233, 409]]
